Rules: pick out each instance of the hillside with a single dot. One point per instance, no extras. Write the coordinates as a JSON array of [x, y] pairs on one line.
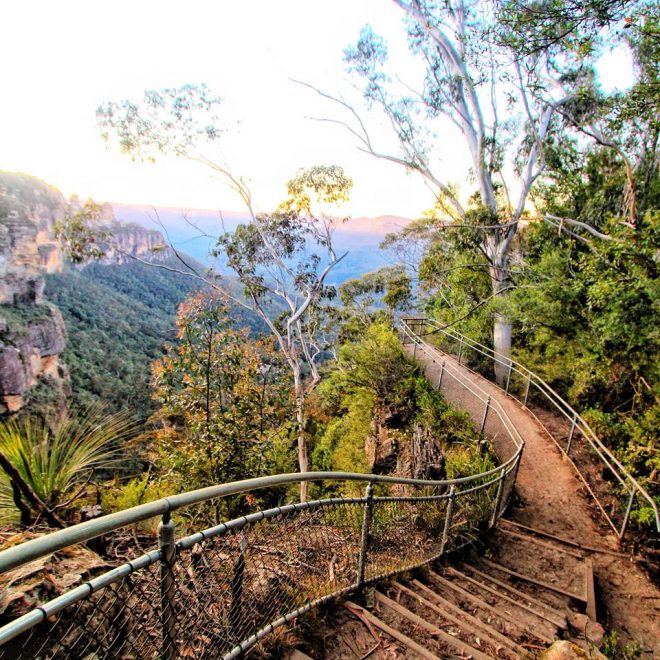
[[118, 317]]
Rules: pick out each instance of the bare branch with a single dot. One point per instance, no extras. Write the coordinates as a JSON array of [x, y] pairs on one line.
[[556, 220]]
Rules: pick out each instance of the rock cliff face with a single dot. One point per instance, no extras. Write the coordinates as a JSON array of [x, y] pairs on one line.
[[32, 332], [127, 240], [131, 240], [28, 249]]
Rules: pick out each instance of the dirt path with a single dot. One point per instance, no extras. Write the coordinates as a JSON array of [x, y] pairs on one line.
[[550, 497]]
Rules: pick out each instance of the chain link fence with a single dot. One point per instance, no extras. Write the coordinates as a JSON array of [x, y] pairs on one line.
[[217, 592]]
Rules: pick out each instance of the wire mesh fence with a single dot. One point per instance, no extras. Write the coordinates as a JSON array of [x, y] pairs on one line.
[[216, 592], [222, 589]]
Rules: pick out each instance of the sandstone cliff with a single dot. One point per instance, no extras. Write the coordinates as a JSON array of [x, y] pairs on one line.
[[32, 332]]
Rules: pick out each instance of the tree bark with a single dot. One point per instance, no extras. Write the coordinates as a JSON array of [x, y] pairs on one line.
[[502, 327], [303, 459]]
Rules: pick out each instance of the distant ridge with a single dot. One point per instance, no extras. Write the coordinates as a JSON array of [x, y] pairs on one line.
[[145, 215]]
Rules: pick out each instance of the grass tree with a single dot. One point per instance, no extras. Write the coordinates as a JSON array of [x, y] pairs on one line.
[[45, 469]]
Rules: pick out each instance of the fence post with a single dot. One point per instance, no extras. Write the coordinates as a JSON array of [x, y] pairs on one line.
[[167, 587], [626, 518], [364, 540], [570, 435], [483, 421], [448, 517], [529, 379], [442, 373], [508, 377], [498, 497], [460, 349]]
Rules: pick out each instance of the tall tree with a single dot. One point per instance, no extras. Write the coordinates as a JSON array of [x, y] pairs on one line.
[[503, 102], [282, 258], [222, 398]]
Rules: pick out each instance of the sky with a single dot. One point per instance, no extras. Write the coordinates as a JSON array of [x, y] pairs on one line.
[[62, 59]]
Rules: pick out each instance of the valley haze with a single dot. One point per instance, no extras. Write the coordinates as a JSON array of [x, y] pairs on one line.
[[193, 231]]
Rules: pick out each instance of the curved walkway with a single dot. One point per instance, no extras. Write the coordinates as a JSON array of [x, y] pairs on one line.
[[552, 499]]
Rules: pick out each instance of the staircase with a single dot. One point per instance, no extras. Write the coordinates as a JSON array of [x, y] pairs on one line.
[[513, 600]]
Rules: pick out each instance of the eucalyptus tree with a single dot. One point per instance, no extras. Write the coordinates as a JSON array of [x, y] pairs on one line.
[[282, 258], [503, 102]]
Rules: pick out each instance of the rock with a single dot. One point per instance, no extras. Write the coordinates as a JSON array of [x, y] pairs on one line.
[[28, 248], [565, 650], [12, 372], [32, 333], [12, 403], [584, 627]]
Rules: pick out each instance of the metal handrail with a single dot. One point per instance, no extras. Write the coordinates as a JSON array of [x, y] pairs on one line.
[[472, 387], [91, 529], [448, 495], [577, 421]]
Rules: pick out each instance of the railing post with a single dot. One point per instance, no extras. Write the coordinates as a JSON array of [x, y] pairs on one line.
[[364, 540], [498, 497], [486, 409], [570, 435], [415, 348], [167, 587], [460, 349], [442, 373], [529, 380], [448, 517], [626, 518], [508, 377]]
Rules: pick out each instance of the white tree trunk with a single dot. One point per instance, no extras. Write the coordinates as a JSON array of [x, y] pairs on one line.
[[303, 459], [502, 345], [502, 329]]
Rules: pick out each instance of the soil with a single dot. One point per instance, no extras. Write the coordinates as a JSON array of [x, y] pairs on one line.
[[551, 497]]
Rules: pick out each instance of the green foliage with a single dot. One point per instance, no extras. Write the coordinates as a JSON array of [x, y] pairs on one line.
[[172, 120], [389, 286], [374, 366], [613, 649], [81, 233], [118, 318], [373, 386], [317, 186], [222, 399], [138, 490], [20, 316], [54, 461], [591, 330]]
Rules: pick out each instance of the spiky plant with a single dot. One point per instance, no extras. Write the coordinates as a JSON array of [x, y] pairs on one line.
[[54, 462]]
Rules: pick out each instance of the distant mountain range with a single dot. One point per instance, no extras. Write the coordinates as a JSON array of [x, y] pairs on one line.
[[193, 232]]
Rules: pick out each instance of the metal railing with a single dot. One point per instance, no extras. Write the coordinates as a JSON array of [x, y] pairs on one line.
[[217, 592], [612, 487]]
